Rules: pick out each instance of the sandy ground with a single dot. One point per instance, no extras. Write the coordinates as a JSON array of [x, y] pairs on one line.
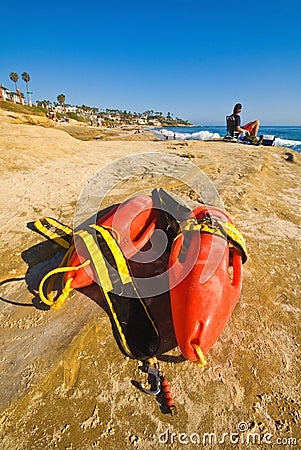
[[64, 382]]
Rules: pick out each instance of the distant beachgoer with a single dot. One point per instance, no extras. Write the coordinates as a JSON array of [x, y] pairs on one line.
[[99, 123], [91, 120], [249, 128], [52, 115]]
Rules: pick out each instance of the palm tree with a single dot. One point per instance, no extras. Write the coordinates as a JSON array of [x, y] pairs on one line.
[[14, 77], [26, 78], [61, 99]]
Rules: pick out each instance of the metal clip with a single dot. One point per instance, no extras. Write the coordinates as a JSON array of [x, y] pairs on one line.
[[209, 220], [154, 371]]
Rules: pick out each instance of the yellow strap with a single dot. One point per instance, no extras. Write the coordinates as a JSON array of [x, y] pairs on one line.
[[201, 361], [236, 237], [97, 259], [119, 258], [231, 232], [103, 277], [122, 267], [103, 274], [59, 225], [39, 224], [113, 231]]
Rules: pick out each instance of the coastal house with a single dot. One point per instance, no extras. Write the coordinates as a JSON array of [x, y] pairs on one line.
[[63, 109], [60, 109], [139, 120], [154, 122], [114, 117], [70, 108], [10, 96]]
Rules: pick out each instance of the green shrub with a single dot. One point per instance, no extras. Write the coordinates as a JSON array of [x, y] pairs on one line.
[[74, 116], [22, 109]]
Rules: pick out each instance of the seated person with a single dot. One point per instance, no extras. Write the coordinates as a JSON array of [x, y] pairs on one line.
[[249, 128]]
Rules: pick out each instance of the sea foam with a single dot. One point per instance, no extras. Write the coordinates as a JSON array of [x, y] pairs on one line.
[[203, 135], [287, 143]]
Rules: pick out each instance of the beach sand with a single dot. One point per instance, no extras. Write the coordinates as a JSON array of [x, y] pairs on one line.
[[64, 382]]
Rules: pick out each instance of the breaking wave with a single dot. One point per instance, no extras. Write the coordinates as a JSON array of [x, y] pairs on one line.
[[203, 135], [295, 145]]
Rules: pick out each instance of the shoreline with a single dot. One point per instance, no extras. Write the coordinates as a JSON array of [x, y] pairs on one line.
[[66, 383], [207, 132]]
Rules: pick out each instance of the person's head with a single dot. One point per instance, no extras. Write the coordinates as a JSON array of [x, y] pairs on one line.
[[237, 108]]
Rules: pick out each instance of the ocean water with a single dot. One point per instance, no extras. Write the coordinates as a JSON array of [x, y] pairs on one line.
[[289, 137]]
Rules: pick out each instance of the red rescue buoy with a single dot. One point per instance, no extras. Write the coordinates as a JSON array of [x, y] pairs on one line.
[[205, 298], [131, 223]]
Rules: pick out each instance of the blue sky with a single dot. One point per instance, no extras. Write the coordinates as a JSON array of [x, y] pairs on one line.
[[195, 59]]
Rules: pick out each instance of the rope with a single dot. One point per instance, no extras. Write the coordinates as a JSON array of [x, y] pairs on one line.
[[201, 361], [48, 299], [53, 280]]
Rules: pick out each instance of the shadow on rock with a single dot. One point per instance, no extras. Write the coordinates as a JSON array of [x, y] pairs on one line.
[[41, 258]]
